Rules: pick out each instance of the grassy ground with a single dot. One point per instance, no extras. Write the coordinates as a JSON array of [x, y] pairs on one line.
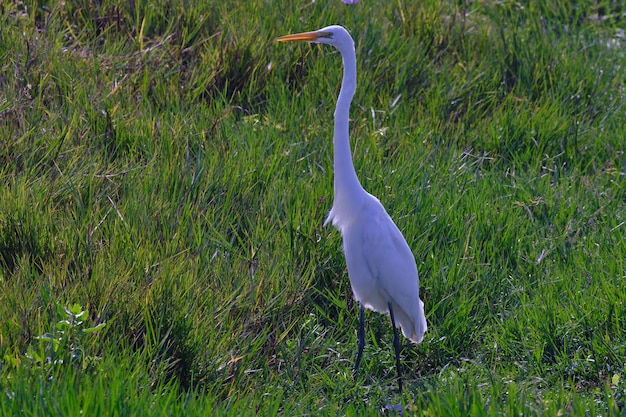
[[165, 169]]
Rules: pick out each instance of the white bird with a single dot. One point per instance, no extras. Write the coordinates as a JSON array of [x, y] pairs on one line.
[[381, 266]]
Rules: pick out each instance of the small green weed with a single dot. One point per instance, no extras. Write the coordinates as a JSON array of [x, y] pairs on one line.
[[65, 345]]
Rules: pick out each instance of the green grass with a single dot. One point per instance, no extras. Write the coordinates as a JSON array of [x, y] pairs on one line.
[[168, 167]]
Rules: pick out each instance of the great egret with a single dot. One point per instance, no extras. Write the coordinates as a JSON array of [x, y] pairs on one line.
[[381, 266]]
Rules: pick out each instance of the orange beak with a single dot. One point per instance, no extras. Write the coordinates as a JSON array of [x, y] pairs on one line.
[[305, 36]]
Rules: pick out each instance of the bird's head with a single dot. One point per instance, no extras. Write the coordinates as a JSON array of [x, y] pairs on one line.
[[331, 35]]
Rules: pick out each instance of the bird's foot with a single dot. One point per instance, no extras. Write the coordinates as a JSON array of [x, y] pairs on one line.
[[393, 409]]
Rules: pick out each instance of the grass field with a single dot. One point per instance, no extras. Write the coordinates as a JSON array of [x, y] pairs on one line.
[[166, 167]]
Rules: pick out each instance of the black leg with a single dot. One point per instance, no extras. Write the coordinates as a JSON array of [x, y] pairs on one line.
[[361, 340], [396, 346]]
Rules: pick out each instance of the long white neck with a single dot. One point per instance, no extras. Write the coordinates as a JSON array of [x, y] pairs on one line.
[[348, 189]]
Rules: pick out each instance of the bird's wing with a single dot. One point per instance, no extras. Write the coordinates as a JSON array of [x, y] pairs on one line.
[[392, 265], [389, 257]]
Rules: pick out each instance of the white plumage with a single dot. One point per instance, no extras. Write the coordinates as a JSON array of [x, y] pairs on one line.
[[381, 266]]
